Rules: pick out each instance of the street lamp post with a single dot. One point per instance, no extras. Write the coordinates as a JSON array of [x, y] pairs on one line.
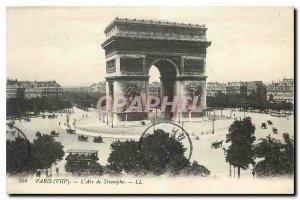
[[112, 119], [213, 123], [244, 108], [107, 117]]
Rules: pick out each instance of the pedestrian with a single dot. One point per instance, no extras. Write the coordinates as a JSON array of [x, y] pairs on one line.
[[46, 172], [50, 172], [224, 151], [253, 173], [59, 123], [56, 169]]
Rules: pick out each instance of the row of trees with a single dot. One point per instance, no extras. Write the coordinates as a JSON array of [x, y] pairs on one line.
[[20, 106], [276, 157], [17, 107], [253, 101], [83, 100]]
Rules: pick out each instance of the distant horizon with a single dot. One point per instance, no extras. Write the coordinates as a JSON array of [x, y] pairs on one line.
[[88, 85]]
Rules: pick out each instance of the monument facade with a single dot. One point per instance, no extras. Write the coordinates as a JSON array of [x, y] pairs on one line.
[[177, 50]]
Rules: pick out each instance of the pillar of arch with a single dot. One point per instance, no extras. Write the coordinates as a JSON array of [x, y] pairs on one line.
[[178, 51]]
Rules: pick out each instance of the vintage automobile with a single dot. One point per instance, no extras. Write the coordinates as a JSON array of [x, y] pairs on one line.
[[263, 125], [97, 139], [269, 122], [275, 130], [217, 144]]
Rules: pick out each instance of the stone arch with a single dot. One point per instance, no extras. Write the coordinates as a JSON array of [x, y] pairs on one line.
[[131, 49], [166, 60]]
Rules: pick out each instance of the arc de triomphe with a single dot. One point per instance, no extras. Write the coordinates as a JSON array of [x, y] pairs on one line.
[[177, 50]]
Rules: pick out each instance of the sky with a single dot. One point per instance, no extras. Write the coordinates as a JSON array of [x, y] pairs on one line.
[[64, 43]]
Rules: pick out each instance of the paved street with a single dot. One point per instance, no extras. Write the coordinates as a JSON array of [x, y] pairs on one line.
[[202, 151]]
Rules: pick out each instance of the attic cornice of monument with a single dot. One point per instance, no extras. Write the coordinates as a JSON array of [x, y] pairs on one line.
[[152, 22], [174, 39], [127, 77]]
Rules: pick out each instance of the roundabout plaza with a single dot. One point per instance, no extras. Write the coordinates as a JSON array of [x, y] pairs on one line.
[[202, 134]]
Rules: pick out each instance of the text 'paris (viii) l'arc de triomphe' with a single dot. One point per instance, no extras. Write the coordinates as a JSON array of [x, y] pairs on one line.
[[177, 50]]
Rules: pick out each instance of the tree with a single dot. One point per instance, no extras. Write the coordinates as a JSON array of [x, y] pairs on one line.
[[240, 152], [159, 150], [124, 156], [194, 169], [156, 154], [278, 157], [45, 151], [17, 153]]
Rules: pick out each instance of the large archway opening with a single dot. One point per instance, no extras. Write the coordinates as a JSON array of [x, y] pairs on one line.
[[162, 83]]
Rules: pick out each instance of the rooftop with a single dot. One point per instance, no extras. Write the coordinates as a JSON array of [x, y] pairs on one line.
[[81, 151], [152, 22]]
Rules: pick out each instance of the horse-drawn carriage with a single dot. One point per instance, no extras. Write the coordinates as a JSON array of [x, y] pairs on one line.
[[217, 144], [83, 138], [263, 125], [54, 134], [53, 116], [269, 122], [70, 131]]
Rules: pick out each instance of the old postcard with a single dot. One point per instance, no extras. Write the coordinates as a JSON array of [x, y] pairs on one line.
[[150, 100]]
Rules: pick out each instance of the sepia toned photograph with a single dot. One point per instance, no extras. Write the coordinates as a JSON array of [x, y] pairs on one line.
[[150, 100]]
